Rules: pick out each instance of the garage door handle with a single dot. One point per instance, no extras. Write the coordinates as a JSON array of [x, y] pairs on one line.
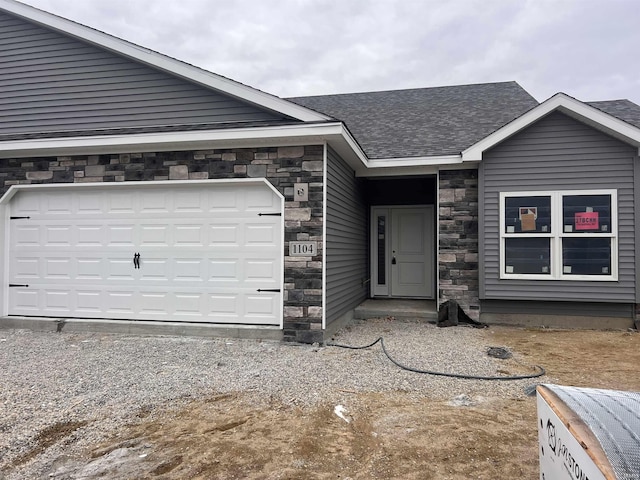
[[136, 260]]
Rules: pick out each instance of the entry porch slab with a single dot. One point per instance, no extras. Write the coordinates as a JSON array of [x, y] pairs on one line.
[[398, 308]]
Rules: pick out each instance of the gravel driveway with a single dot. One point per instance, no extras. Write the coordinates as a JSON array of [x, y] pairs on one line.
[[103, 380]]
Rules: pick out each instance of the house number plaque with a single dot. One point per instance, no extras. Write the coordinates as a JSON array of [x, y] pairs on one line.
[[303, 249]]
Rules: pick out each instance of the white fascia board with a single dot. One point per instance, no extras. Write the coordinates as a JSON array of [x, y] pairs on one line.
[[415, 161], [567, 105], [390, 167], [303, 134], [163, 62]]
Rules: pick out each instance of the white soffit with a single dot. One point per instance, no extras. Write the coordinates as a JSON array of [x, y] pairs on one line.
[[303, 134], [567, 105], [162, 62]]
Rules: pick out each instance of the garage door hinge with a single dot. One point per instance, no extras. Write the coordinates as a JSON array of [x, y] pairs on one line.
[[270, 214], [17, 218], [18, 285], [269, 290]]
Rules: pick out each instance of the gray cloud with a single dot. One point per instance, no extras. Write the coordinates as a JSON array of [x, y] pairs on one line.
[[585, 48]]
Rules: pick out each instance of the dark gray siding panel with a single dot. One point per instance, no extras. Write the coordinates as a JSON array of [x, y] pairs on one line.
[[587, 309], [347, 239], [636, 182], [51, 82], [559, 153]]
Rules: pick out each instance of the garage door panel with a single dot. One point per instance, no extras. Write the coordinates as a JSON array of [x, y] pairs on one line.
[[155, 270], [258, 270], [189, 304], [120, 303], [154, 236], [90, 235], [189, 235], [58, 203], [25, 268], [58, 268], [204, 253], [256, 234], [57, 301], [58, 236], [223, 305], [120, 235], [223, 199], [223, 235], [24, 301], [89, 203], [261, 308], [25, 235], [89, 302], [155, 304], [257, 200], [224, 271], [154, 202], [121, 203]]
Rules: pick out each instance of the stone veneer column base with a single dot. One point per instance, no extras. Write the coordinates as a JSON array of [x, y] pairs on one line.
[[458, 239]]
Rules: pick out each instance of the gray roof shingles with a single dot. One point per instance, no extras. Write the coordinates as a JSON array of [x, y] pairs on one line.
[[625, 110], [425, 121]]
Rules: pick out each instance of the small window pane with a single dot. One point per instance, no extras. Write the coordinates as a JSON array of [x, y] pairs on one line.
[[527, 214], [382, 249], [586, 213], [527, 256], [586, 256]]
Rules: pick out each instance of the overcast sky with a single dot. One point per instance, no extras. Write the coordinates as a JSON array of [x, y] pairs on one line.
[[589, 49]]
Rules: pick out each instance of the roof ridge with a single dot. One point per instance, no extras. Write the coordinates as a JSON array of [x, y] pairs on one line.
[[407, 89]]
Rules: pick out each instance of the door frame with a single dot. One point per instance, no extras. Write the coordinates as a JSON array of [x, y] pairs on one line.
[[384, 290]]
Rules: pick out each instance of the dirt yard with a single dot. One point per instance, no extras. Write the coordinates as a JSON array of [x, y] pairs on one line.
[[388, 436]]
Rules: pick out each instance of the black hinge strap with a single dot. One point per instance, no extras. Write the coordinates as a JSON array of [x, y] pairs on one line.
[[270, 214], [17, 285], [269, 290], [18, 218]]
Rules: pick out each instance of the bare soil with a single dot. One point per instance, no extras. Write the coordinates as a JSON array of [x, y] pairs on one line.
[[389, 435]]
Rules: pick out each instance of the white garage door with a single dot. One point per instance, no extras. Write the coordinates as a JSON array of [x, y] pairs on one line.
[[195, 252]]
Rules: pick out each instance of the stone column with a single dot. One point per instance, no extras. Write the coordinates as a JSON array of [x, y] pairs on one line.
[[458, 239]]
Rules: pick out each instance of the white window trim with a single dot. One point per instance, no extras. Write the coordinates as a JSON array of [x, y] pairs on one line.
[[557, 234]]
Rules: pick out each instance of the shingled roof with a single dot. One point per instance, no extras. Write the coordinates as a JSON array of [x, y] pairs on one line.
[[625, 110], [426, 121]]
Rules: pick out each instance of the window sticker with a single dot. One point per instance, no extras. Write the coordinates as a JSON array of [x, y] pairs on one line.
[[586, 221]]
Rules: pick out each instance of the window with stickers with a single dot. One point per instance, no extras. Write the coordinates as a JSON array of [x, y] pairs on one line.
[[559, 235]]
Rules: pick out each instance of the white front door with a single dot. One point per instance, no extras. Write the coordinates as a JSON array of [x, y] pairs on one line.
[[194, 252], [402, 252]]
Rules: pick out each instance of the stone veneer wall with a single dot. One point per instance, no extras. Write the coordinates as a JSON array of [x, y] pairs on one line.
[[458, 239], [282, 166]]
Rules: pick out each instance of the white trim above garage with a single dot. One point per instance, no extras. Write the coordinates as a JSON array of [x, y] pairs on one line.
[[199, 252]]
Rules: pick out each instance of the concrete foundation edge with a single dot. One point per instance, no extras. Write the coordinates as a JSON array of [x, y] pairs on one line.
[[140, 328], [558, 321]]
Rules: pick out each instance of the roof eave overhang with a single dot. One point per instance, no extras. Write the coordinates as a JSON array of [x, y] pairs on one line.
[[333, 133], [563, 103], [408, 166], [163, 62]]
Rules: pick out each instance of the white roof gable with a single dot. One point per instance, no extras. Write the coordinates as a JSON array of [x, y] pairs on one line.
[[567, 105], [162, 62]]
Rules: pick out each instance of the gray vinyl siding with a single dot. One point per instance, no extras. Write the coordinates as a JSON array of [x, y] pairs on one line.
[[585, 309], [558, 153], [636, 182], [52, 82], [347, 244]]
